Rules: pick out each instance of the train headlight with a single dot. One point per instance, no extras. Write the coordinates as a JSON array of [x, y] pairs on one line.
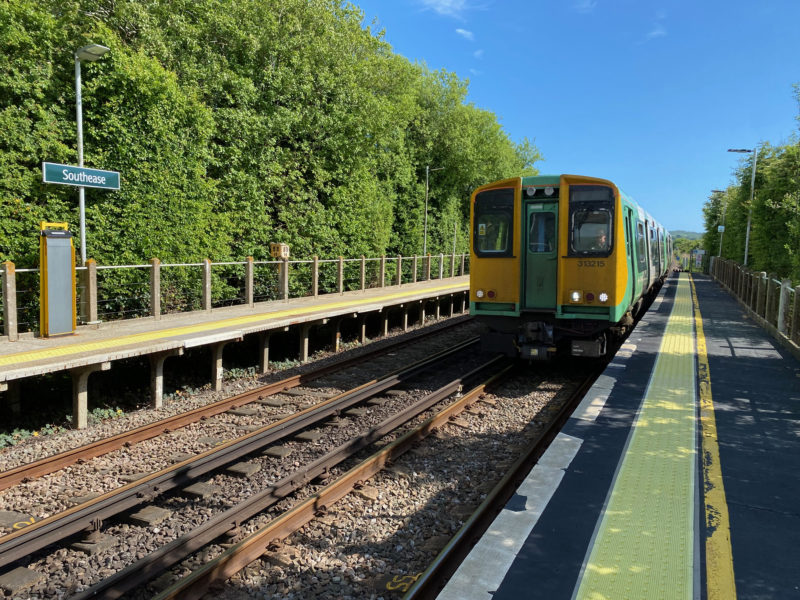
[[589, 297], [479, 293], [603, 297], [575, 296]]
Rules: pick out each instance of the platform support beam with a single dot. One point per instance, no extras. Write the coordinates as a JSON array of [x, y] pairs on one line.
[[13, 399], [80, 393], [384, 322], [405, 317], [216, 364], [362, 336], [157, 375], [263, 352], [336, 342], [422, 313], [438, 307]]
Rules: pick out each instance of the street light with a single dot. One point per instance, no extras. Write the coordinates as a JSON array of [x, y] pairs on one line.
[[754, 151], [722, 232], [425, 235], [89, 53]]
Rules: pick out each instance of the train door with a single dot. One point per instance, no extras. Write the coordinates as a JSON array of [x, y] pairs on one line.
[[630, 254], [541, 255]]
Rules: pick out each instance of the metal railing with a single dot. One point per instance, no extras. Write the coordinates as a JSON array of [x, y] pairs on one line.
[[773, 300], [117, 292]]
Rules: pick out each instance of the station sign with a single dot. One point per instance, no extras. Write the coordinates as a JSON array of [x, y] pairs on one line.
[[79, 176]]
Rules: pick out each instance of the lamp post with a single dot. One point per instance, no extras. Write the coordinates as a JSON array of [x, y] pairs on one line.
[[425, 234], [754, 151], [722, 232], [89, 53]]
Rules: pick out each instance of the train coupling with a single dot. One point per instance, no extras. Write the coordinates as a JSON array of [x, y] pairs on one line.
[[537, 352]]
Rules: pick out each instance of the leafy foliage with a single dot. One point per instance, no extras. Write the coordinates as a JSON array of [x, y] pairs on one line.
[[774, 212], [235, 124]]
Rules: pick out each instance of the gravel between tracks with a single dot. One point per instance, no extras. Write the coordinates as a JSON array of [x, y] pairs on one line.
[[407, 515]]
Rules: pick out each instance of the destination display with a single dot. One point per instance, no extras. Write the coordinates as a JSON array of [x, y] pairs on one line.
[[79, 176]]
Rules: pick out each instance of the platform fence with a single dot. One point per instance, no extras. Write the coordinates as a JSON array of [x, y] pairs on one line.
[[774, 301], [120, 292]]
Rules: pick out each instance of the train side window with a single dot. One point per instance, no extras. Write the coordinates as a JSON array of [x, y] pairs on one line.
[[493, 223], [641, 247], [542, 232]]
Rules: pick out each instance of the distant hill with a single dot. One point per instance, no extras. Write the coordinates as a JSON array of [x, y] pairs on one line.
[[689, 235]]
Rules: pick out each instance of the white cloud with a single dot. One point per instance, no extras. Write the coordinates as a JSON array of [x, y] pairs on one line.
[[478, 54], [585, 6], [657, 32], [451, 8], [467, 35], [476, 72]]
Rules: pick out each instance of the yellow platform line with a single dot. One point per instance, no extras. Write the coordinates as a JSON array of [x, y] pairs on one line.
[[644, 545], [66, 350], [720, 582]]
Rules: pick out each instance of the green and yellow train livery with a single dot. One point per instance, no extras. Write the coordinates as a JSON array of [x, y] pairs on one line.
[[559, 263]]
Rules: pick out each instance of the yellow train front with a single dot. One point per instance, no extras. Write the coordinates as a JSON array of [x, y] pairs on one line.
[[560, 264]]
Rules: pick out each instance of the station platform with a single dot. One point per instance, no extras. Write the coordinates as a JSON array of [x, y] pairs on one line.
[[92, 349], [675, 478]]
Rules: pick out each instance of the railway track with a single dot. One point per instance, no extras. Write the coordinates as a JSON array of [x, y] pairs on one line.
[[56, 462], [89, 514]]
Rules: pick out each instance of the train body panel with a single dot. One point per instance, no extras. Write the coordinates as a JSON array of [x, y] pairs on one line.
[[560, 260]]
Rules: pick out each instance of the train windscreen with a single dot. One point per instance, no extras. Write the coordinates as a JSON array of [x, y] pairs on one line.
[[493, 223], [591, 218]]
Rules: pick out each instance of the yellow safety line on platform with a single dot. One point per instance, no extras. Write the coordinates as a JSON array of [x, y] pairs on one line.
[[31, 355], [720, 582], [644, 545]]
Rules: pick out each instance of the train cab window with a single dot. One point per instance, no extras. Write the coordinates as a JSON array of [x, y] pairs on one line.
[[591, 215], [493, 223], [542, 232]]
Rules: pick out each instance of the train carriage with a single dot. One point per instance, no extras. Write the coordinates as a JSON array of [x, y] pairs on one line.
[[560, 263]]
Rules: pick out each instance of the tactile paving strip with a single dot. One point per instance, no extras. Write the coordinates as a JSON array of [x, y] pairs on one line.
[[644, 545]]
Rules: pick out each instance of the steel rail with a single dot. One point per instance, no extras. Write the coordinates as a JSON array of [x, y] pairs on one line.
[[228, 522], [243, 553], [430, 582], [59, 526], [56, 462]]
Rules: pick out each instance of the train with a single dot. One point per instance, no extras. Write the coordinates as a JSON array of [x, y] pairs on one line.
[[561, 264]]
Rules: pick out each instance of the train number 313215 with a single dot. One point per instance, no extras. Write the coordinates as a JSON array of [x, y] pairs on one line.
[[591, 263]]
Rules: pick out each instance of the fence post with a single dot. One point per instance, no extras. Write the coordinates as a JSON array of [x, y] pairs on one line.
[[155, 288], [399, 270], [383, 270], [315, 276], [414, 268], [796, 317], [770, 301], [452, 267], [441, 266], [10, 301], [363, 272], [340, 282], [463, 263], [249, 282], [91, 292], [752, 291], [762, 278], [783, 303], [428, 268], [207, 285], [283, 284]]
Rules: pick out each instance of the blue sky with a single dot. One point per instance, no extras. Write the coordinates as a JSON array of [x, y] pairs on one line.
[[647, 94]]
